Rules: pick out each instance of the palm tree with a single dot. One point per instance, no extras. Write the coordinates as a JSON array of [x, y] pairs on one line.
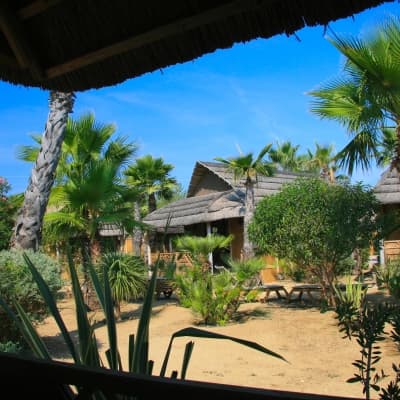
[[285, 156], [201, 247], [28, 225], [365, 99], [322, 161], [88, 190], [150, 178], [247, 167]]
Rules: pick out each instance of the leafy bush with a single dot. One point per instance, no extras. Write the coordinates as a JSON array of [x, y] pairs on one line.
[[16, 283], [216, 298], [317, 225]]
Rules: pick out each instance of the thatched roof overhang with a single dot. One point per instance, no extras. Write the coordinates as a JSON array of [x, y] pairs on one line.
[[108, 230], [198, 209], [73, 45], [387, 189]]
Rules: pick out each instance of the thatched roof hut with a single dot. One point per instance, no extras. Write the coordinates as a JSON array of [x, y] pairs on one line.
[[72, 45], [214, 195], [387, 189]]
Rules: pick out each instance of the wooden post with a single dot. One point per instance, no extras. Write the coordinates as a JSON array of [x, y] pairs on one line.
[[210, 256]]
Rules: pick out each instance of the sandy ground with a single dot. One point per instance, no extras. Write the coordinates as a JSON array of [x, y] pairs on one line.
[[319, 360]]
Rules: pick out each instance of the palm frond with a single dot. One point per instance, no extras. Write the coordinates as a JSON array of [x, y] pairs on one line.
[[359, 152]]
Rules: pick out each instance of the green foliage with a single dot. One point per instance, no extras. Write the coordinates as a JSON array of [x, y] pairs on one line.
[[216, 298], [151, 178], [351, 298], [388, 276], [367, 325], [201, 246], [127, 276], [87, 351], [364, 97], [247, 271], [8, 209], [10, 347], [167, 268], [316, 225], [17, 284]]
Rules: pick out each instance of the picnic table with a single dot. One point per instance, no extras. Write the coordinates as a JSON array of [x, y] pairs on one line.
[[268, 288], [309, 288]]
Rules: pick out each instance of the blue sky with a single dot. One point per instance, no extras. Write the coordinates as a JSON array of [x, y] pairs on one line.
[[244, 97]]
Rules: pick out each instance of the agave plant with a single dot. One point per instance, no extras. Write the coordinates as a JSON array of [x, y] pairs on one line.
[[87, 352]]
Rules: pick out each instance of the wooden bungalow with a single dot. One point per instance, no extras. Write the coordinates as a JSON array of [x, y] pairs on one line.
[[214, 203], [387, 191]]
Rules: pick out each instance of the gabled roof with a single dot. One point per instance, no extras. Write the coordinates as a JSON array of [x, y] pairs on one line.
[[217, 205], [265, 184], [72, 45], [387, 189]]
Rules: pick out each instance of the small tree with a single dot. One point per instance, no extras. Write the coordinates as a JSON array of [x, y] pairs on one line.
[[316, 225]]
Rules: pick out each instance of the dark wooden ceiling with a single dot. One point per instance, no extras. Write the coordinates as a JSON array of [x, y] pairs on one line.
[[73, 45]]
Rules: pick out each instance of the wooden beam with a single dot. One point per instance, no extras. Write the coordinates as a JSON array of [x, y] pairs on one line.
[[35, 8], [13, 31], [176, 27]]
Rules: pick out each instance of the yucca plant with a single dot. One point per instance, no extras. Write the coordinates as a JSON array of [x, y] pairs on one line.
[[87, 353]]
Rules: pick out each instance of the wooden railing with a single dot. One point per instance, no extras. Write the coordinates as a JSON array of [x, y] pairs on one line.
[[29, 378], [181, 259]]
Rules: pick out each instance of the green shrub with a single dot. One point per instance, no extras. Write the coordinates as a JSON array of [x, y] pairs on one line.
[[216, 298], [388, 276], [16, 283]]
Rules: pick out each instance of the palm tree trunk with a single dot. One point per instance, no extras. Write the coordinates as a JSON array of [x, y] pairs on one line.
[[248, 250], [137, 232], [28, 226], [395, 164], [152, 203]]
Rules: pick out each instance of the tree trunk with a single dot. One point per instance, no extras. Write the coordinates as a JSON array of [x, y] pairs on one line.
[[28, 226], [137, 232], [248, 250], [395, 164], [152, 203], [152, 207]]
